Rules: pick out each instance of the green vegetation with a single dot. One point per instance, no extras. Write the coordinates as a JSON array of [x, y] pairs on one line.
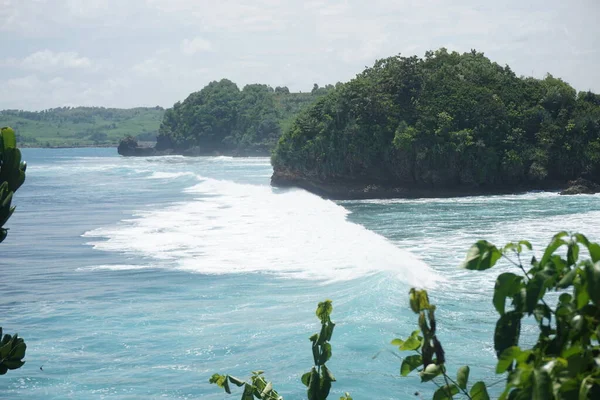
[[83, 126], [221, 118], [12, 176], [317, 381], [447, 120], [559, 293], [564, 363]]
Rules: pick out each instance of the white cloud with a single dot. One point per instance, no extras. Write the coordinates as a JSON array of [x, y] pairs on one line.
[[195, 45], [294, 43], [45, 59]]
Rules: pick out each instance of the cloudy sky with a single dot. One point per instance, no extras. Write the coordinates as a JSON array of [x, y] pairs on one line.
[[126, 53]]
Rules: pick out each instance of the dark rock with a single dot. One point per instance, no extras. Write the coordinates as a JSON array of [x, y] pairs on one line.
[[581, 186], [358, 190]]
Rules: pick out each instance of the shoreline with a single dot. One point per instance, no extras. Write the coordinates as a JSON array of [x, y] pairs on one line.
[[349, 190]]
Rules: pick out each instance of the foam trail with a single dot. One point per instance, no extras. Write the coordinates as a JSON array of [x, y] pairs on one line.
[[170, 175], [240, 228]]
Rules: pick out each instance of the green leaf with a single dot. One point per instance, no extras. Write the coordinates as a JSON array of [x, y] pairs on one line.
[[412, 343], [314, 385], [306, 378], [582, 295], [507, 285], [221, 381], [542, 385], [410, 363], [508, 329], [18, 351], [526, 244], [556, 242], [430, 372], [479, 392], [572, 253], [592, 274], [506, 359], [236, 381], [567, 280], [248, 392], [9, 139], [325, 353], [14, 364], [324, 310], [326, 332], [325, 382], [268, 389], [482, 255], [419, 301], [446, 392], [594, 249], [536, 288], [397, 342], [462, 377]]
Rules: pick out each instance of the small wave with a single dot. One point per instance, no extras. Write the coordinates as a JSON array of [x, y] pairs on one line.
[[170, 175], [466, 199], [113, 267]]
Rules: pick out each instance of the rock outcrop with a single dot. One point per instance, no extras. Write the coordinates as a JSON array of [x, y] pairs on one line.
[[581, 186]]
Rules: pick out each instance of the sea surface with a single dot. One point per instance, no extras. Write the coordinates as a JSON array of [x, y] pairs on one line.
[[138, 278]]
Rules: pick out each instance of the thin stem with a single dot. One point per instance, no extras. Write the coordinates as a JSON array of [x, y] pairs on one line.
[[447, 384], [463, 390]]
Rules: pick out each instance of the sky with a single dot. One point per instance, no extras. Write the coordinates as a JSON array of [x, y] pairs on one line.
[[129, 53]]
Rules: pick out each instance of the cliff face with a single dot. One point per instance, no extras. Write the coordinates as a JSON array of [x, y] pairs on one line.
[[446, 124]]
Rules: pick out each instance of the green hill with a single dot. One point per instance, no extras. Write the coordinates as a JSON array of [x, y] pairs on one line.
[[223, 119], [448, 122], [82, 126]]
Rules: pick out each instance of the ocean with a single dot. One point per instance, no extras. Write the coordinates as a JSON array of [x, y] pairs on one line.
[[138, 278]]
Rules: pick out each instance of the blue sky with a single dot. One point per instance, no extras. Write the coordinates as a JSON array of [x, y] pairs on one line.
[[127, 53]]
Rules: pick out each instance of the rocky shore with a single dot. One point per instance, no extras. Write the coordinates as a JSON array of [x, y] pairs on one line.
[[355, 190]]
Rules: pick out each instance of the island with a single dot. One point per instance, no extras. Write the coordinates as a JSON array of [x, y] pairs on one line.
[[221, 119], [446, 124]]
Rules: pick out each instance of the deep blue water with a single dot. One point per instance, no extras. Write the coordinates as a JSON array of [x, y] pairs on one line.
[[139, 278]]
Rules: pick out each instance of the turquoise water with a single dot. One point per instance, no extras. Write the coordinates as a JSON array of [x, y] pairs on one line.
[[139, 278]]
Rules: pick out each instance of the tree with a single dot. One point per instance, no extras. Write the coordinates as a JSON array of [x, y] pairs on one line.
[[12, 176]]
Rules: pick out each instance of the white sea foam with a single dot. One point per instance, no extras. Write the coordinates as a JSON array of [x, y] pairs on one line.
[[114, 267], [239, 228], [170, 175]]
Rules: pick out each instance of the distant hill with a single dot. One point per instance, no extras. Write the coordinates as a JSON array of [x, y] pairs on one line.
[[82, 126], [224, 119]]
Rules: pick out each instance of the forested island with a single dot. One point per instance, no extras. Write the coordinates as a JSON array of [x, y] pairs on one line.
[[221, 119], [444, 124], [83, 126]]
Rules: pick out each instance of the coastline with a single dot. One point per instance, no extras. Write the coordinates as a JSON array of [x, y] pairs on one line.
[[355, 190]]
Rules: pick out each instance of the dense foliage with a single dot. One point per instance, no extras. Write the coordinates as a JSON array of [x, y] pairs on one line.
[[564, 362], [445, 120], [83, 126], [222, 118], [12, 176]]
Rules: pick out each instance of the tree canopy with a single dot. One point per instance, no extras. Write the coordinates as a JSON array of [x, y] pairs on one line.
[[223, 118], [445, 120]]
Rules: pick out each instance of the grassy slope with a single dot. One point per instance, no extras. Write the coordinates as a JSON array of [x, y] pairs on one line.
[[98, 126], [82, 126]]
